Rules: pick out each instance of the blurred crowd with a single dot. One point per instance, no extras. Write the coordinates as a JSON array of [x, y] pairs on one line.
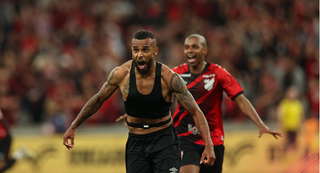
[[56, 54]]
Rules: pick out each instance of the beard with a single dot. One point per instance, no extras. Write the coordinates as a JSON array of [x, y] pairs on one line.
[[144, 71]]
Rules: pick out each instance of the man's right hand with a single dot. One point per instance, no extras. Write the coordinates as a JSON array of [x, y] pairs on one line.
[[208, 156], [70, 134], [124, 118]]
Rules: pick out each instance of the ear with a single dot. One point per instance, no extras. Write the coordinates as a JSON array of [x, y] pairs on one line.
[[156, 50], [205, 50]]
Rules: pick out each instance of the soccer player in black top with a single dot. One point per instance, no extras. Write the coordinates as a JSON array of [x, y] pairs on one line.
[[148, 89]]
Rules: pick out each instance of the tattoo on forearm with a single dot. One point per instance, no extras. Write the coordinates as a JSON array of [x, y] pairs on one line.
[[202, 124], [89, 109], [94, 104]]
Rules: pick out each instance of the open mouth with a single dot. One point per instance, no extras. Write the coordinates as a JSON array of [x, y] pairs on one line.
[[141, 64], [191, 59]]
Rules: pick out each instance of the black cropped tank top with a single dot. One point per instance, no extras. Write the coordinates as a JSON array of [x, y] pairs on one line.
[[150, 106]]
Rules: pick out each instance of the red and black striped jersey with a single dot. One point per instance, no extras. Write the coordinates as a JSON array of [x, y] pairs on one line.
[[4, 130], [207, 89]]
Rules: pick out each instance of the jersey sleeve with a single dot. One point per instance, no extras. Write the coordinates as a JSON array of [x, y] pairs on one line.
[[229, 84], [175, 69], [183, 68]]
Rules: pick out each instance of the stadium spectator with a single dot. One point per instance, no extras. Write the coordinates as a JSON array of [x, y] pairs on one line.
[[54, 40], [291, 116]]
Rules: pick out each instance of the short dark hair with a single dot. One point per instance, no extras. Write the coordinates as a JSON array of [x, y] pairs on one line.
[[143, 34], [201, 38]]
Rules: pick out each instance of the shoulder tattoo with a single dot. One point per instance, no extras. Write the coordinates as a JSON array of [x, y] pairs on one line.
[[177, 84], [182, 93]]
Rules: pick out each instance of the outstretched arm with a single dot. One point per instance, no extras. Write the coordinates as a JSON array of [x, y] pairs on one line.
[[246, 107], [188, 102], [91, 107]]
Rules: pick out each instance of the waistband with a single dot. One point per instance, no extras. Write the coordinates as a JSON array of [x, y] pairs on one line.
[[147, 126], [154, 134]]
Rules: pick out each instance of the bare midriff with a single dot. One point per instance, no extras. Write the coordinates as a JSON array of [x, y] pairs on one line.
[[142, 131]]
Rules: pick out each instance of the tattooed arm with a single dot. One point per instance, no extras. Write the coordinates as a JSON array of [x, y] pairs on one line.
[[186, 99], [91, 107], [94, 104]]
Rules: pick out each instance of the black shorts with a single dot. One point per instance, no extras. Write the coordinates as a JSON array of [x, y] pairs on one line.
[[5, 145], [158, 152], [191, 154]]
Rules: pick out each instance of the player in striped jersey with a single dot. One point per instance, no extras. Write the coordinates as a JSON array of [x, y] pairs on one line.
[[6, 159], [207, 82]]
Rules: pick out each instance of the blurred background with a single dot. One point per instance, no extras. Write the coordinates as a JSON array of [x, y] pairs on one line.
[[56, 54]]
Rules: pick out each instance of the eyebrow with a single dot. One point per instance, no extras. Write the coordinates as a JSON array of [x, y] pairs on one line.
[[142, 46], [190, 44]]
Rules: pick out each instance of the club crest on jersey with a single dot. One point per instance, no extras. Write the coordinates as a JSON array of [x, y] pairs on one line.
[[209, 82], [193, 129]]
